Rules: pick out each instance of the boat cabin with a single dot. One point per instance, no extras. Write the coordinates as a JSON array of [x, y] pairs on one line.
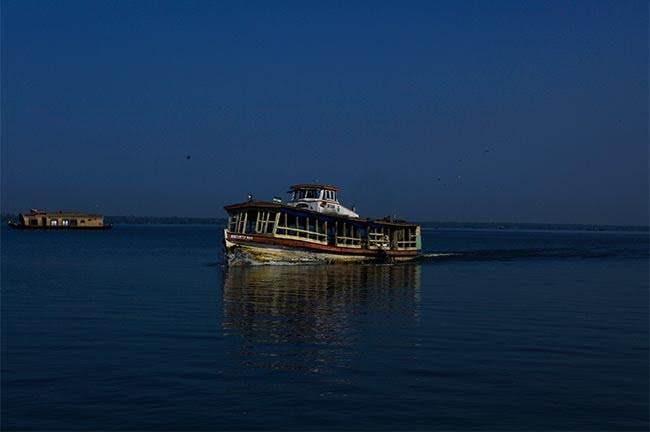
[[279, 222], [319, 198]]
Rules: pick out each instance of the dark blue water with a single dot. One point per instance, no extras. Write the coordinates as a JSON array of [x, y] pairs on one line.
[[139, 328]]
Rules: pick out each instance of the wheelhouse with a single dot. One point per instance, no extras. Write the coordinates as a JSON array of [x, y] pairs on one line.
[[319, 198]]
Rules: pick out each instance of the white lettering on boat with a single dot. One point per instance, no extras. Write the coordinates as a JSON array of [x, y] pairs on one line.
[[240, 237]]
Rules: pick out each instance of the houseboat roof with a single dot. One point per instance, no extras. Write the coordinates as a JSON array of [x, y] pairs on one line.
[[314, 186], [34, 212]]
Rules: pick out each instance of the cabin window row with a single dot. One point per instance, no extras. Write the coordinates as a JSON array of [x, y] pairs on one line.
[[256, 222], [65, 222], [314, 194], [55, 222], [335, 233]]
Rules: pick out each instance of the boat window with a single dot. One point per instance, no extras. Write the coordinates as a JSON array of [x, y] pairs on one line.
[[251, 217], [306, 194], [33, 221], [405, 238], [73, 222], [378, 238], [65, 222], [265, 222], [270, 222], [303, 228], [347, 235], [54, 222]]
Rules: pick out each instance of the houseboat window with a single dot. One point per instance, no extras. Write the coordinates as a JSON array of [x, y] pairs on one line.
[[65, 222], [54, 222], [33, 221], [313, 193], [83, 221], [73, 222]]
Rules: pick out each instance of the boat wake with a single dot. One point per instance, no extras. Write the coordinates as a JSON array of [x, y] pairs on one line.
[[438, 254], [516, 254]]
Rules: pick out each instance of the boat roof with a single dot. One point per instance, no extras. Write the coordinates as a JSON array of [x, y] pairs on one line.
[[313, 186]]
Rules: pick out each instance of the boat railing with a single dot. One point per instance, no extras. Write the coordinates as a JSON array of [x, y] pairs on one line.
[[301, 234], [350, 242]]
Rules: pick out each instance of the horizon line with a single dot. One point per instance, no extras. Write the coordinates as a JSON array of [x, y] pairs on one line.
[[645, 227]]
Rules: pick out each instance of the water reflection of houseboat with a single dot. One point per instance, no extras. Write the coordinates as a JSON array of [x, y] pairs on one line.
[[39, 219], [306, 317], [314, 226]]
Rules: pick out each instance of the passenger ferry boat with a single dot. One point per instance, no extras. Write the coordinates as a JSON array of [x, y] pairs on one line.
[[39, 219], [314, 227]]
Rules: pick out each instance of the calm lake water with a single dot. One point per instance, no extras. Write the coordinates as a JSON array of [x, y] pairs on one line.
[[141, 328]]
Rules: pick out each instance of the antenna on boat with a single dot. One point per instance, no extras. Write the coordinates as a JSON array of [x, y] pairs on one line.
[[250, 197]]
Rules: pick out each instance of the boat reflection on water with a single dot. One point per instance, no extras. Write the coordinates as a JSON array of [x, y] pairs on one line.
[[304, 318]]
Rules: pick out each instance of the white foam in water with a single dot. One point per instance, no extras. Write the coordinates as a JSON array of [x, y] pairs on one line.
[[439, 254]]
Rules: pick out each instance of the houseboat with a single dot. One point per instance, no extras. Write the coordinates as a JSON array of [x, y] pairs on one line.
[[39, 219], [314, 227]]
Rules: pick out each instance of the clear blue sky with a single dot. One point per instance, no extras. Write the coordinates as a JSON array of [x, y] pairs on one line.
[[528, 111]]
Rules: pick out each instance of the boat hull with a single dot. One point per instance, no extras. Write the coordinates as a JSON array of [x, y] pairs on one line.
[[253, 249]]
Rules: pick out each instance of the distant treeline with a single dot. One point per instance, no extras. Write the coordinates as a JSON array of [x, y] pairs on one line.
[[179, 220], [531, 226], [171, 220]]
